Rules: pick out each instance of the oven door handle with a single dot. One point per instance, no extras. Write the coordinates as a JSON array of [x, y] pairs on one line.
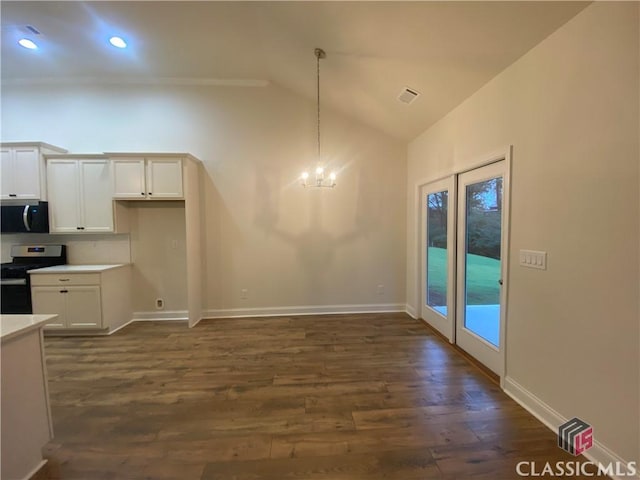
[[13, 281], [25, 218]]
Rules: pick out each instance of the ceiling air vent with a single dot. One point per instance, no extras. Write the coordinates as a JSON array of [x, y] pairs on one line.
[[408, 95], [32, 29]]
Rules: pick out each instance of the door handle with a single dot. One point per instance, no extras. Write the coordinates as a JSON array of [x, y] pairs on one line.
[[500, 281], [64, 291], [25, 218]]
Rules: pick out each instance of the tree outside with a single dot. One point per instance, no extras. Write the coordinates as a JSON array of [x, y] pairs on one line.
[[484, 212]]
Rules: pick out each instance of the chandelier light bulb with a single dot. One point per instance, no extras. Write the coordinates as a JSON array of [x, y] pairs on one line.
[[304, 175], [333, 176], [319, 171]]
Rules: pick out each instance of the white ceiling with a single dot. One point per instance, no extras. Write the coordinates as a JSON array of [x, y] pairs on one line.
[[445, 50]]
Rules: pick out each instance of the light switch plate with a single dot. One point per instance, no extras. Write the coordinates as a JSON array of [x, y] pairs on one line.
[[533, 259]]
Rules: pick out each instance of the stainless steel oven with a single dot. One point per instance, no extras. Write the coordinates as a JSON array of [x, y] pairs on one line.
[[15, 286]]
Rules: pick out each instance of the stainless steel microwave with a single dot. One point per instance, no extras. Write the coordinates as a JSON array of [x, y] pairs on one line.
[[33, 218]]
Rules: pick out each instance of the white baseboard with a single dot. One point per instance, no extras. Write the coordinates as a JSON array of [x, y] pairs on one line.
[[411, 311], [183, 315], [160, 315], [303, 310], [196, 322], [121, 326], [35, 470], [599, 453]]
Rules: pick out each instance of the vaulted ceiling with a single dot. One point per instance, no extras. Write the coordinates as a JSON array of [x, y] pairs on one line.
[[444, 50]]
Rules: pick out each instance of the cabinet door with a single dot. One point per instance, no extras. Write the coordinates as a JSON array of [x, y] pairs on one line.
[[63, 186], [164, 178], [26, 179], [96, 203], [50, 300], [6, 171], [128, 179], [83, 307]]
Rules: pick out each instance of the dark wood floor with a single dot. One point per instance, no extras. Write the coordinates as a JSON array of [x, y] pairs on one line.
[[323, 397]]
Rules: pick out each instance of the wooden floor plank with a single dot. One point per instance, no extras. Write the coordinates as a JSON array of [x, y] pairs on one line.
[[368, 396]]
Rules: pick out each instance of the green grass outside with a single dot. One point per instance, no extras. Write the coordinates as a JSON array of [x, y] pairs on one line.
[[483, 274]]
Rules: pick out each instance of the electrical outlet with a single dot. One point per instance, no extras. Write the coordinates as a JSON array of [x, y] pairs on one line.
[[244, 294], [159, 304], [380, 290]]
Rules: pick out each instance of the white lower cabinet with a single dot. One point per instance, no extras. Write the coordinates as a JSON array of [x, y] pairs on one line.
[[99, 300], [77, 307], [51, 300]]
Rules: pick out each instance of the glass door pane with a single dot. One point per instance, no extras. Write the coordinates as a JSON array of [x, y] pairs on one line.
[[437, 272], [483, 234], [437, 255]]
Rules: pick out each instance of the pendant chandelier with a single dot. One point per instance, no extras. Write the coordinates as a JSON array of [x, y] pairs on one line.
[[320, 180]]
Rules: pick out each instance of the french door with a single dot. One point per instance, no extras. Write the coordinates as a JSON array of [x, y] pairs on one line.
[[463, 242], [480, 269]]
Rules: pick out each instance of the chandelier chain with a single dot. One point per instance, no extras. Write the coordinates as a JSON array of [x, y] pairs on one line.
[[320, 180], [318, 55]]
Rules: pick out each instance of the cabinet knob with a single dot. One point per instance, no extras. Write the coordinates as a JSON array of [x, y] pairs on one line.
[[150, 193], [13, 195], [64, 291], [142, 193]]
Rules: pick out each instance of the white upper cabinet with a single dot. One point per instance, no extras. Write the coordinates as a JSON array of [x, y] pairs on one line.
[[96, 204], [147, 179], [64, 193], [80, 196], [7, 172], [23, 171], [129, 179], [164, 178]]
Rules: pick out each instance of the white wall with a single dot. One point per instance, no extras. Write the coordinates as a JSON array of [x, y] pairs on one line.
[[286, 245], [570, 109], [158, 244]]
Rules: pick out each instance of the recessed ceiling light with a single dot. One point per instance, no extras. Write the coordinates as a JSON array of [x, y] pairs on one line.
[[118, 42], [26, 43]]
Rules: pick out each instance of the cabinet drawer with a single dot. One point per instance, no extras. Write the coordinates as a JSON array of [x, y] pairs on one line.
[[65, 279]]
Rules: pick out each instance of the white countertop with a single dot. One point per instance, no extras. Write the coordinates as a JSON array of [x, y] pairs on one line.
[[76, 268], [14, 325]]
